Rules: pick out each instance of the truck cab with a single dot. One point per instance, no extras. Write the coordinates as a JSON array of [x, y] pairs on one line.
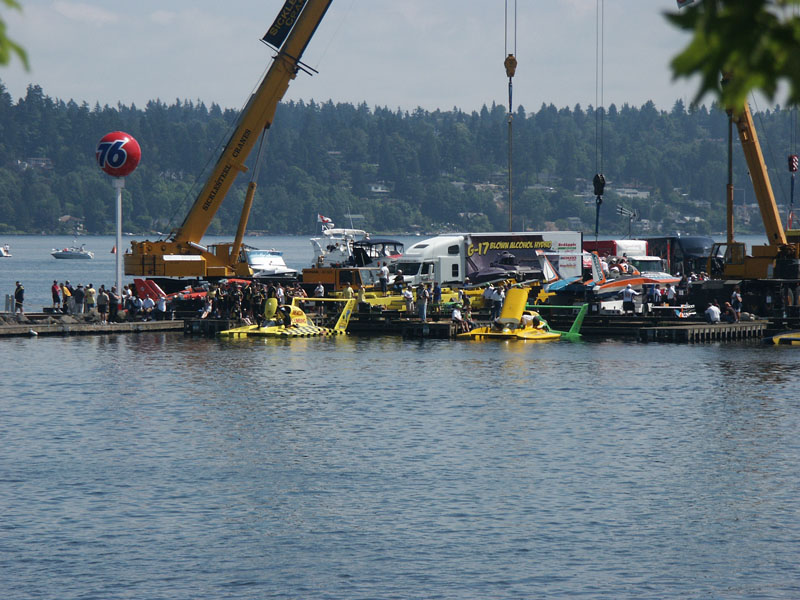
[[436, 259]]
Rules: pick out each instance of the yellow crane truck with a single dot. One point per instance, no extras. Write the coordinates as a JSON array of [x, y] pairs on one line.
[[181, 254]]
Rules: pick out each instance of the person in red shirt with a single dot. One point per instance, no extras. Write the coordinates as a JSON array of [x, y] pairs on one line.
[[56, 292]]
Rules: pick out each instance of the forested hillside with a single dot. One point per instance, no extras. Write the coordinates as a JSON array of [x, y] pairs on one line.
[[388, 170]]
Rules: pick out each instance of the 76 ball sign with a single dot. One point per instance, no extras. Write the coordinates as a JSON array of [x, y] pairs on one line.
[[118, 154]]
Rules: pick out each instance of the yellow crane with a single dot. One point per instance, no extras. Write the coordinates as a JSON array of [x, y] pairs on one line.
[[182, 255], [777, 258]]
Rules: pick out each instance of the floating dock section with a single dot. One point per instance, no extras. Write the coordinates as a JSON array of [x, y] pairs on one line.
[[704, 332]]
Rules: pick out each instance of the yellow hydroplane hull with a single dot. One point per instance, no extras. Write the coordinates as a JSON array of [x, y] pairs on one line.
[[787, 338], [527, 334], [292, 322], [510, 326]]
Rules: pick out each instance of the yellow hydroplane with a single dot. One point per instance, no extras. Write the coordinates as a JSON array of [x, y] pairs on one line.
[[516, 323], [289, 321], [786, 338]]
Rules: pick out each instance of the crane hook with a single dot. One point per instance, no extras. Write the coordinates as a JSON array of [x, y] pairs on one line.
[[510, 64]]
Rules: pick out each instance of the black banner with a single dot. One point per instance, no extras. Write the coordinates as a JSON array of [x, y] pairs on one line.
[[284, 22]]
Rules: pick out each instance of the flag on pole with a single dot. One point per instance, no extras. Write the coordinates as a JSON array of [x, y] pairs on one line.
[[323, 219]]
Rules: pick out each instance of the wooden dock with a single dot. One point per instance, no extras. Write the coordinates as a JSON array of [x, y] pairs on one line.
[[41, 324]]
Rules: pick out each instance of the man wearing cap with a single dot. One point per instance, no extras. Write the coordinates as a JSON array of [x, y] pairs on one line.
[[66, 294], [628, 294]]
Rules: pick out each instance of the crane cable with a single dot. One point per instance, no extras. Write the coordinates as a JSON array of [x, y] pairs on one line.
[[794, 160], [599, 181], [510, 64]]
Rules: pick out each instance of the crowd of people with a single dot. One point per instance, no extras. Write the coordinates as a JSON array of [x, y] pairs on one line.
[[109, 305], [247, 301]]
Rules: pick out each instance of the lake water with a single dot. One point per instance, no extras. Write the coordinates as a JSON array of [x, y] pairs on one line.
[[160, 466]]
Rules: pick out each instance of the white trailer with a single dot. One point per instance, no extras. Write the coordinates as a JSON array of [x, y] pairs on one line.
[[451, 259]]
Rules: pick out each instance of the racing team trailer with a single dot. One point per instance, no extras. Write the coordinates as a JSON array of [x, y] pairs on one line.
[[479, 257]]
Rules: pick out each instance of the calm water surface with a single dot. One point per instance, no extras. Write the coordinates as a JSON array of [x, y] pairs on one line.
[[158, 466]]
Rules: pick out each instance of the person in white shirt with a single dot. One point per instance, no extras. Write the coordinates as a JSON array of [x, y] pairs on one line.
[[408, 296], [628, 294], [672, 295], [161, 308], [384, 279], [319, 292], [712, 313], [148, 304]]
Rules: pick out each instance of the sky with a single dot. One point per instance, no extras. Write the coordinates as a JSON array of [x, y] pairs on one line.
[[394, 53]]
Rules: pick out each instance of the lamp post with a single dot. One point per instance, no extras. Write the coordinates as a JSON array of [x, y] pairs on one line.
[[118, 154]]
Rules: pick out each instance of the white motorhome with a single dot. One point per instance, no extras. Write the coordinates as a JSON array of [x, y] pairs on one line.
[[451, 259]]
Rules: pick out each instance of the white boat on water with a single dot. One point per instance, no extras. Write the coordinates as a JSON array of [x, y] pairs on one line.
[[335, 246], [340, 247], [268, 264], [5, 251], [73, 252]]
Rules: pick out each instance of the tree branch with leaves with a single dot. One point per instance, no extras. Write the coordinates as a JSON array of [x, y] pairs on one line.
[[9, 47], [756, 42]]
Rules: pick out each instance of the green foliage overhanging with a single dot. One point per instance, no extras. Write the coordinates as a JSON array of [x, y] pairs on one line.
[[8, 47], [755, 42]]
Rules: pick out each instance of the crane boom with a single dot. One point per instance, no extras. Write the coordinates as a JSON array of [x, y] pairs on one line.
[[777, 256], [182, 255], [743, 120]]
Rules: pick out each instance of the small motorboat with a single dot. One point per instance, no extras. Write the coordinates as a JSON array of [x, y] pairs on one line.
[[268, 264], [73, 252], [5, 251], [517, 323]]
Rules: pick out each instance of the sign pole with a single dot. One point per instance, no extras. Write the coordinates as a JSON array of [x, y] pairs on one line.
[[119, 184], [118, 154]]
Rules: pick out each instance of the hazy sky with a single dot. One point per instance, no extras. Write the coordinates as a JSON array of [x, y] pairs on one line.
[[395, 53]]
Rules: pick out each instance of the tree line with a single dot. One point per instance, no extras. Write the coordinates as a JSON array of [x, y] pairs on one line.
[[384, 170]]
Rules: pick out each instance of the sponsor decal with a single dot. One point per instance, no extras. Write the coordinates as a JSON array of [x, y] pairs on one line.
[[284, 22]]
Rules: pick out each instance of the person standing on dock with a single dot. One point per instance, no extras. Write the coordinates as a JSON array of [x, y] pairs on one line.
[[319, 292], [90, 297], [423, 295], [736, 302], [408, 296], [79, 296], [66, 296], [19, 299], [113, 304], [102, 305], [280, 294], [672, 295], [347, 293], [498, 297], [399, 282], [161, 308], [628, 294], [383, 278], [55, 291]]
